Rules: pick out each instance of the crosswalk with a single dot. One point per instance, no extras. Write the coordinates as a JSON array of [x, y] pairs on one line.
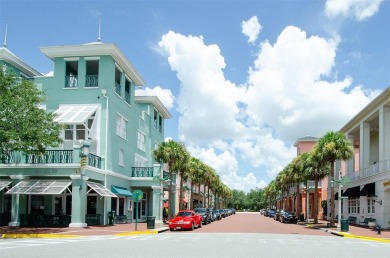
[[199, 238]]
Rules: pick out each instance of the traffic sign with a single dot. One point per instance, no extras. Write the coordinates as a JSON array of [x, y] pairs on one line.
[[137, 195]]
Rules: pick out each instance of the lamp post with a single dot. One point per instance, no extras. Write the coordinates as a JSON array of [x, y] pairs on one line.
[[84, 160]]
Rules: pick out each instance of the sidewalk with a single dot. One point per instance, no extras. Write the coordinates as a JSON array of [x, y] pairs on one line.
[[354, 231], [66, 232]]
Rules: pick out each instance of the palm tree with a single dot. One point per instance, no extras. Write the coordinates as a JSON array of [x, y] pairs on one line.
[[317, 172], [331, 147], [170, 152]]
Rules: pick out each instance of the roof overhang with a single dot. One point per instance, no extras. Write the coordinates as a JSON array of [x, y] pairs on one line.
[[156, 103], [96, 49], [12, 59]]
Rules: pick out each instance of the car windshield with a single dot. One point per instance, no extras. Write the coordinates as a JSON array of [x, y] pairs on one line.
[[200, 210], [183, 214]]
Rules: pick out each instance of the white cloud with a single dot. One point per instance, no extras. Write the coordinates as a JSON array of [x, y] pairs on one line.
[[165, 95], [359, 9], [288, 95], [49, 74], [251, 28]]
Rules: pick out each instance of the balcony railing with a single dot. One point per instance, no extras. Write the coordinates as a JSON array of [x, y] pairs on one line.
[[48, 157], [117, 88], [92, 81], [71, 81], [370, 171], [127, 97], [142, 171]]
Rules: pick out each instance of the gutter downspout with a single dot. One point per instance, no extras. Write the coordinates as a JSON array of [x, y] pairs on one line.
[[104, 92]]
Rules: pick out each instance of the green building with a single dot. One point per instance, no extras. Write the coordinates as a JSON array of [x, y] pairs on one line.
[[109, 136]]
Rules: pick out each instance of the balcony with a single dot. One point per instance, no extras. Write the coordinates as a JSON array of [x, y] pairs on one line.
[[91, 81], [372, 170], [71, 81], [142, 172], [117, 88], [48, 157]]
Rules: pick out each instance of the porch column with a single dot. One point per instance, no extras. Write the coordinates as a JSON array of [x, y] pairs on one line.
[[384, 133], [15, 210], [364, 145], [351, 162], [79, 201], [157, 203]]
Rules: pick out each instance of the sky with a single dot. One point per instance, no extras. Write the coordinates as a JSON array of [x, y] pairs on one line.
[[243, 79]]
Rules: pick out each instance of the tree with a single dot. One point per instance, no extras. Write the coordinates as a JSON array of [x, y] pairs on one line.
[[170, 152], [24, 126], [331, 147]]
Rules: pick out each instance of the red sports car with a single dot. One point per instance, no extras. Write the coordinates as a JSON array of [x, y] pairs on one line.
[[185, 219]]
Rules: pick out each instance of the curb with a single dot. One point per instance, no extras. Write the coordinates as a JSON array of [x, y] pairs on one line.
[[349, 235], [132, 233]]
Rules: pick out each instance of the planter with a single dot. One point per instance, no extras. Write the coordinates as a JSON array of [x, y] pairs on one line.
[[371, 224]]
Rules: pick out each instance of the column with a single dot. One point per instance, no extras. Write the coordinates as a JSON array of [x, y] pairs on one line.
[[15, 210], [384, 133], [157, 203], [364, 145], [79, 201], [350, 164]]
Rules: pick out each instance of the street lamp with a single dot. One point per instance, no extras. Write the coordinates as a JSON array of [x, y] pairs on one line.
[[375, 199], [84, 160]]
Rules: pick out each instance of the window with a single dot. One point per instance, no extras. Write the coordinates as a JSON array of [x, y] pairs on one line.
[[155, 118], [75, 132], [354, 205], [71, 73], [127, 90], [160, 121], [121, 157], [141, 141], [121, 126], [370, 205], [118, 75], [92, 73], [140, 161]]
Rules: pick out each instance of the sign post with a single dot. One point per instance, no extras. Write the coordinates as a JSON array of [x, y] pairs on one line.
[[137, 196]]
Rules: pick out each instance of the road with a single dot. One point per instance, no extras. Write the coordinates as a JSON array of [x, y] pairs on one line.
[[235, 236]]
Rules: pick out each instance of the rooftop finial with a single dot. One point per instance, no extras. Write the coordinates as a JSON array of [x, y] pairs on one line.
[[100, 20], [5, 36]]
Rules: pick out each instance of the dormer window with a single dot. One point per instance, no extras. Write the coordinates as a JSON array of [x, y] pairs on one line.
[[71, 73]]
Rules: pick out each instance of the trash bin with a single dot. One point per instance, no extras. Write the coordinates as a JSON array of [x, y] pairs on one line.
[[150, 222], [111, 216], [344, 225]]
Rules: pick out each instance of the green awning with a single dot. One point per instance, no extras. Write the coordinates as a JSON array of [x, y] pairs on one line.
[[120, 191]]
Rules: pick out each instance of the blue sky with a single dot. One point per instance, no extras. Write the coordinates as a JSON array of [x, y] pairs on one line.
[[242, 79]]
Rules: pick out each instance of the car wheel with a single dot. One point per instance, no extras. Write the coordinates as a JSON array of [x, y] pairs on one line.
[[171, 229], [200, 224]]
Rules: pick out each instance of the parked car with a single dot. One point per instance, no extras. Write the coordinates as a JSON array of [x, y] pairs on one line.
[[185, 219], [277, 214], [218, 214], [271, 213], [288, 216], [213, 216], [204, 212]]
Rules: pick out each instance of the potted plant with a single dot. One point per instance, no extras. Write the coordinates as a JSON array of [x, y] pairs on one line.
[[371, 223]]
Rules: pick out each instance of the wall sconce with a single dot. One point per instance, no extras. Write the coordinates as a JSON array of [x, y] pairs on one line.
[[375, 199]]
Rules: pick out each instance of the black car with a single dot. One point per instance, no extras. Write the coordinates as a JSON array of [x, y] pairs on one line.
[[205, 213], [218, 215], [288, 216]]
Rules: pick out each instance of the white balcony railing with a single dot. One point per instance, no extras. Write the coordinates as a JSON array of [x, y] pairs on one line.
[[372, 170]]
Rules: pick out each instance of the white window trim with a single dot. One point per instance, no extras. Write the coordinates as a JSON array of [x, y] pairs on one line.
[[141, 146], [121, 158], [71, 58], [92, 58], [125, 131], [140, 158]]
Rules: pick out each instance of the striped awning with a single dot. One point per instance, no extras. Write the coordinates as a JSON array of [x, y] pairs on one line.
[[4, 184], [100, 189], [40, 187]]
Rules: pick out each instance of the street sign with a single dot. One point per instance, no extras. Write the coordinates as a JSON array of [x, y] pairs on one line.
[[137, 195]]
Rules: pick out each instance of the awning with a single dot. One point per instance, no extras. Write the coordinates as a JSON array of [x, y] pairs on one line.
[[40, 187], [74, 114], [352, 192], [120, 191], [100, 189], [368, 189], [4, 184]]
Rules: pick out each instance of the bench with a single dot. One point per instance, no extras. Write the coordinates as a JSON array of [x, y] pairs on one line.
[[121, 219], [366, 220], [352, 220]]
